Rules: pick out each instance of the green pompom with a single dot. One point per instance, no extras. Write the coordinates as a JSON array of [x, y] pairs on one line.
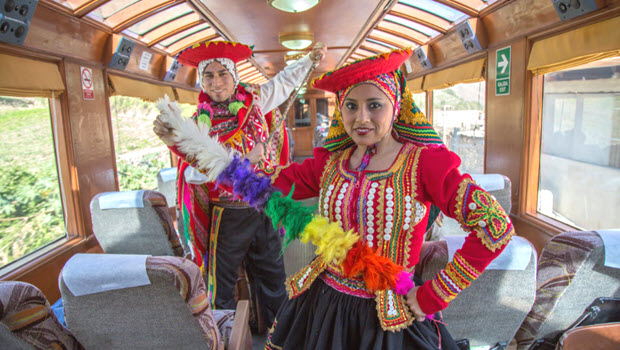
[[204, 118], [234, 107]]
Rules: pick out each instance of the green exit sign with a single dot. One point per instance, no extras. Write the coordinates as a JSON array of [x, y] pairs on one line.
[[502, 67]]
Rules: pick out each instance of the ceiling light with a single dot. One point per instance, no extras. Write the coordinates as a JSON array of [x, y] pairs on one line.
[[297, 41], [293, 5]]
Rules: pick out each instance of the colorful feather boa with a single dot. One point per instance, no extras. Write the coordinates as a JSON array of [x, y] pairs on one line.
[[333, 244]]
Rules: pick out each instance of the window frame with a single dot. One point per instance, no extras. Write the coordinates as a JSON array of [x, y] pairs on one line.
[[77, 238], [530, 169]]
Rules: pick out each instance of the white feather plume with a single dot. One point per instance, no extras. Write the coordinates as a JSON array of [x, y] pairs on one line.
[[194, 140]]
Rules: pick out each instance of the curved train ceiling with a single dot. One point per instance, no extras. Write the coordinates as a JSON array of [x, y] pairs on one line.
[[353, 29]]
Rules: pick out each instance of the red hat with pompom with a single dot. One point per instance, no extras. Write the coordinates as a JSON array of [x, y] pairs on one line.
[[197, 53], [361, 70]]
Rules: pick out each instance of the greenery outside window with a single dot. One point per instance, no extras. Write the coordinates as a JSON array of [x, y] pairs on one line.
[[140, 154], [458, 118], [31, 211], [579, 176]]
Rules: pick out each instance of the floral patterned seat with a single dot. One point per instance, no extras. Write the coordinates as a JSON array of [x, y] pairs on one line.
[[571, 274], [26, 313]]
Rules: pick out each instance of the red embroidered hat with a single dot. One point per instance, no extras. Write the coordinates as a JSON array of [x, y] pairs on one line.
[[235, 52], [361, 70]]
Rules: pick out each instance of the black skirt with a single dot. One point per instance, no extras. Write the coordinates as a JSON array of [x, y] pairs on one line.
[[324, 318]]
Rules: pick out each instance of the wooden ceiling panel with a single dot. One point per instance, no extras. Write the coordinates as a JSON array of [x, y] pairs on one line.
[[263, 26], [82, 8]]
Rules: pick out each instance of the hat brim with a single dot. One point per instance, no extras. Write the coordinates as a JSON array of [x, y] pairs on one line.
[[236, 52], [361, 70]]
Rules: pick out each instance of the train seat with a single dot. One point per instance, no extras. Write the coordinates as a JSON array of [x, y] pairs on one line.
[[142, 302], [27, 321], [134, 222], [491, 309], [572, 272], [167, 185], [497, 185]]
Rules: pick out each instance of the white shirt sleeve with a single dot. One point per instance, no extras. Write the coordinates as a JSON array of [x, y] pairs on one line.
[[277, 90]]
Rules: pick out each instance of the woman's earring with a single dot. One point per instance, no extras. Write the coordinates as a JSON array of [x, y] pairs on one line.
[[395, 133]]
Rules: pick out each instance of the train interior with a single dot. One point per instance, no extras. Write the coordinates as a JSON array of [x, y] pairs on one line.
[[526, 92]]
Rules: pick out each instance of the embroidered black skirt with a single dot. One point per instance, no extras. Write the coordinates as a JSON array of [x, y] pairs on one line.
[[324, 318]]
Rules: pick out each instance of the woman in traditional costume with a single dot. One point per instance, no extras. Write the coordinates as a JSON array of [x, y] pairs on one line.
[[381, 168]]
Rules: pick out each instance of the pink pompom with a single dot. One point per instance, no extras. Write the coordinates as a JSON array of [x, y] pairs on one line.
[[239, 97], [403, 283]]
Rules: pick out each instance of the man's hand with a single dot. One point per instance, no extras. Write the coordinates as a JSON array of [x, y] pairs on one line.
[[163, 130], [319, 50], [414, 306], [257, 154]]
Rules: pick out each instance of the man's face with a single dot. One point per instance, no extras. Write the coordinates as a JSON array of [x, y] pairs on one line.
[[217, 82]]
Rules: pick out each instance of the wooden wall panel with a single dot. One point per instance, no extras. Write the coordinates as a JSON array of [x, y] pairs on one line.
[[505, 119], [303, 141], [64, 35], [93, 145], [449, 48], [519, 18]]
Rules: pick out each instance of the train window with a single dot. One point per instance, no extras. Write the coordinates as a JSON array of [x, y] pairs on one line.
[[458, 118], [139, 152], [31, 211], [579, 176], [437, 9], [160, 19]]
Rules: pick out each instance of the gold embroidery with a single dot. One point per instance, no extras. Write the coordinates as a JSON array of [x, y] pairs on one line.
[[401, 317], [302, 280], [277, 172]]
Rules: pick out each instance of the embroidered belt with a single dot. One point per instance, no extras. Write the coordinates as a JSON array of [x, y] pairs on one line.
[[346, 285], [227, 203], [392, 309]]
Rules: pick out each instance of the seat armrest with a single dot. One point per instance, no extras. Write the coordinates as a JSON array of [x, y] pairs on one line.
[[240, 336]]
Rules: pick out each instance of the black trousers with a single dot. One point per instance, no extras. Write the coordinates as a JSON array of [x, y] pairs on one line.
[[247, 235]]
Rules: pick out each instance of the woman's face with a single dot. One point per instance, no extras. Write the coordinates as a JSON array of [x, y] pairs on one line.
[[367, 114]]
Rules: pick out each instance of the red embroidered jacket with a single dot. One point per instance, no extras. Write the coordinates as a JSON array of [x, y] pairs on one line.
[[389, 210]]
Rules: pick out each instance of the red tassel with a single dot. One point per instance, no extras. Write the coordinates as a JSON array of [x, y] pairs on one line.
[[378, 272]]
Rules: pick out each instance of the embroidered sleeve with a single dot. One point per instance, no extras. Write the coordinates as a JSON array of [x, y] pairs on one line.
[[478, 213], [305, 176]]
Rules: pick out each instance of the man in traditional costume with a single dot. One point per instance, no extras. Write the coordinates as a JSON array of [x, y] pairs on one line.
[[221, 231]]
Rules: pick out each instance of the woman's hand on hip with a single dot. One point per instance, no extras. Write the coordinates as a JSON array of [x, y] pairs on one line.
[[412, 301]]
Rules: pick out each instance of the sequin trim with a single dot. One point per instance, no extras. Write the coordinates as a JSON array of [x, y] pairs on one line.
[[302, 280]]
